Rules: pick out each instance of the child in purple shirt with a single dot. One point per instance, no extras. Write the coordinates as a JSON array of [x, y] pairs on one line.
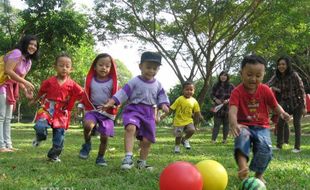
[[143, 93]]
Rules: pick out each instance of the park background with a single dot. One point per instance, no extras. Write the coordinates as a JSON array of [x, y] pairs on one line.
[[197, 39]]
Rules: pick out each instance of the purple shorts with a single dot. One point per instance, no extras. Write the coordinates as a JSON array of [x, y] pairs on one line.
[[143, 117], [105, 125]]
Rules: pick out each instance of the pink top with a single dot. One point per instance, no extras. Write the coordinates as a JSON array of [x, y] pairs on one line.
[[253, 108], [22, 67]]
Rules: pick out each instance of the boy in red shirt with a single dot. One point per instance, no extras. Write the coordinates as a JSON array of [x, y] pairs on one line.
[[249, 118], [60, 93]]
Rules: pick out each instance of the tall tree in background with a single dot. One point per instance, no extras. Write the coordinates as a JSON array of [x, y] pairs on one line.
[[193, 36]]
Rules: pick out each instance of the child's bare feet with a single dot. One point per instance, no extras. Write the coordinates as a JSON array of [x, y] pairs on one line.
[[243, 173], [260, 177]]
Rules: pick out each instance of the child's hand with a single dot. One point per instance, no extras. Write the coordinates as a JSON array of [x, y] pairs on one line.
[[165, 108], [235, 129], [107, 105]]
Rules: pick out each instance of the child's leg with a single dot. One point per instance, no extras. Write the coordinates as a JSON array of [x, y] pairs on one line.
[[129, 139], [58, 142], [145, 146], [262, 152], [242, 152], [189, 131], [88, 126], [103, 145]]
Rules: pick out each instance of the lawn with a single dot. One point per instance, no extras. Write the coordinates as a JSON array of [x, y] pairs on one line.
[[28, 167]]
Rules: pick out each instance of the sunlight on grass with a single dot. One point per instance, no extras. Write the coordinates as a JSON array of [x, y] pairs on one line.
[[28, 167]]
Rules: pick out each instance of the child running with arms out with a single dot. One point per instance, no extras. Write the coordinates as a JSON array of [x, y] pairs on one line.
[[142, 94], [101, 84], [59, 95], [185, 107], [249, 118]]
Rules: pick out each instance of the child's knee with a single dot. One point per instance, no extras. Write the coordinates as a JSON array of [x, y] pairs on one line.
[[261, 158], [130, 129]]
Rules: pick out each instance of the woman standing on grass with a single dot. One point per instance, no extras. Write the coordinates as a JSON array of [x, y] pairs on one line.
[[13, 68], [288, 83], [220, 95]]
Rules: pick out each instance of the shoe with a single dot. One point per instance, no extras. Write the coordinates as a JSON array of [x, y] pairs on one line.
[[84, 152], [56, 159], [142, 165], [177, 149], [127, 163], [100, 161], [296, 150], [186, 144], [35, 142]]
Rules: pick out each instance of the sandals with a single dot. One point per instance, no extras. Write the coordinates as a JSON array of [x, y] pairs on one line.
[[243, 173]]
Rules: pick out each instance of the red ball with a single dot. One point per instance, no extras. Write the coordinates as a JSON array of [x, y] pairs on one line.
[[180, 176]]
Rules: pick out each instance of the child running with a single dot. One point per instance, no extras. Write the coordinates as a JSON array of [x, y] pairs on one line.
[[249, 118], [142, 94], [185, 107], [101, 84], [59, 95]]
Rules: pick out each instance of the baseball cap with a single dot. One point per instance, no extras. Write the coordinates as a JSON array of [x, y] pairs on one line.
[[151, 57]]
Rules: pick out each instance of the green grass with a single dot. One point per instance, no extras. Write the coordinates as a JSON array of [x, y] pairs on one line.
[[28, 167]]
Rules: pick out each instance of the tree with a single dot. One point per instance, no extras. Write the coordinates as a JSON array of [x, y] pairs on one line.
[[194, 37], [284, 32]]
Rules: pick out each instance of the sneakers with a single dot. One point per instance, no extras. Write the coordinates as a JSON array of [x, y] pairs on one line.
[[142, 165], [127, 163], [56, 159], [296, 150], [100, 161], [186, 144], [177, 149], [36, 142], [84, 152]]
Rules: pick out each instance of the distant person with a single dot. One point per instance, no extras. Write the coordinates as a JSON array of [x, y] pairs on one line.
[[249, 118], [14, 66], [143, 94], [100, 86], [58, 95], [185, 108], [288, 83], [220, 95]]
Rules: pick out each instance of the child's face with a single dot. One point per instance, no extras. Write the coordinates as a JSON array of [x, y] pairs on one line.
[[252, 75], [188, 91], [63, 66], [148, 70], [103, 67], [282, 66], [32, 47]]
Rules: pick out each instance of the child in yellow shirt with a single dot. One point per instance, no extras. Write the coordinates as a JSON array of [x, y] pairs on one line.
[[186, 109]]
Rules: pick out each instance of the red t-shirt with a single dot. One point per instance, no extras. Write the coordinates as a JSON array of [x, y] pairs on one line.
[[64, 96], [253, 108]]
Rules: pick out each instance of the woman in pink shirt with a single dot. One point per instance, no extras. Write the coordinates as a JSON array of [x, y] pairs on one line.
[[13, 68]]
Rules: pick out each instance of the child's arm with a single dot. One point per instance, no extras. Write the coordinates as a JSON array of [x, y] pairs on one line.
[[233, 122], [279, 110], [197, 118]]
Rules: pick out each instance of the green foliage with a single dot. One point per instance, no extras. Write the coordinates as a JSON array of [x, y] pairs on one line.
[[29, 169]]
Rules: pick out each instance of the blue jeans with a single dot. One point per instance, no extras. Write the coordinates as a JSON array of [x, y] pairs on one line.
[[259, 139], [58, 142]]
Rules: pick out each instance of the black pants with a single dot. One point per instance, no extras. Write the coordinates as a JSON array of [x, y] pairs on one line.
[[283, 125], [218, 121]]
